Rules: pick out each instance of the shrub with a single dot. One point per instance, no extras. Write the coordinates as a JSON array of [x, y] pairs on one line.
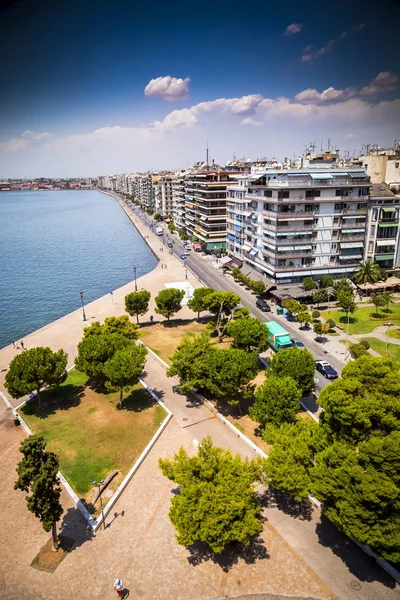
[[315, 314], [366, 344], [309, 284], [331, 323], [357, 350]]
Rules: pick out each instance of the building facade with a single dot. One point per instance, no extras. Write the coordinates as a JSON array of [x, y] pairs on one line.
[[382, 241], [178, 201], [289, 224], [164, 196]]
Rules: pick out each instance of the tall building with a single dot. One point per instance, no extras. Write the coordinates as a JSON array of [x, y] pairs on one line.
[[205, 207], [382, 241], [178, 201], [289, 224], [383, 165], [164, 196]]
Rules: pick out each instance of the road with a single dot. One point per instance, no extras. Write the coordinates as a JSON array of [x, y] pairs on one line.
[[214, 278]]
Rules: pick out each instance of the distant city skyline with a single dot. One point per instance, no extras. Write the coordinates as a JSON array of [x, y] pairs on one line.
[[123, 88]]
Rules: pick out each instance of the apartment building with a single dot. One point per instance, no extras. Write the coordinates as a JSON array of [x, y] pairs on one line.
[[383, 165], [289, 224], [382, 241], [205, 207], [178, 201], [164, 196]]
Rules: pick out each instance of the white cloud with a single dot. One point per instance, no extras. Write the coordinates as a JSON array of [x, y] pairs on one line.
[[385, 81], [169, 88], [293, 28], [31, 135], [349, 136], [251, 122], [310, 54]]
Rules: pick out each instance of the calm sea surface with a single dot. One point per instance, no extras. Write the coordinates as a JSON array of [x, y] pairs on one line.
[[54, 244]]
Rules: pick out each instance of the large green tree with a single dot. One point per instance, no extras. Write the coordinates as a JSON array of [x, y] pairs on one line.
[[296, 363], [123, 369], [189, 361], [168, 302], [248, 333], [196, 302], [216, 504], [34, 369], [277, 401], [121, 325], [343, 285], [378, 300], [37, 476], [221, 304], [346, 301], [137, 303], [95, 350], [367, 272], [320, 296], [304, 318]]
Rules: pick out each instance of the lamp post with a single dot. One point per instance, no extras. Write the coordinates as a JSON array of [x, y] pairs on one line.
[[347, 334], [101, 502], [134, 270], [83, 306]]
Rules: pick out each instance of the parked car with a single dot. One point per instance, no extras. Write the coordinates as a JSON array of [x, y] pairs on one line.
[[263, 305], [170, 244], [298, 344], [326, 369]]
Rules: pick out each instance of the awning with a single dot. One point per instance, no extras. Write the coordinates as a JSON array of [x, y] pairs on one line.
[[340, 174], [321, 175], [388, 209], [383, 256], [283, 248], [269, 246], [225, 259], [349, 256], [237, 227], [352, 231], [386, 242], [358, 175], [351, 244], [355, 216], [253, 252], [303, 247], [388, 224]]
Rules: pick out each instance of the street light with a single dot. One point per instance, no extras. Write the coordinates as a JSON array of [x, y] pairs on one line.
[[83, 306], [101, 502], [347, 334], [134, 270]]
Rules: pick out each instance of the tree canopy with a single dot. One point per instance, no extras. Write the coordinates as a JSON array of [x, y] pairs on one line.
[[95, 350], [343, 285], [221, 304], [189, 361], [277, 401], [216, 503], [309, 284], [168, 302], [37, 475], [121, 325], [137, 303], [196, 302], [346, 301], [298, 364], [367, 272], [123, 369], [248, 333], [34, 369]]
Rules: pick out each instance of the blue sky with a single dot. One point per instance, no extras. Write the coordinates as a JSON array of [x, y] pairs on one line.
[[72, 99]]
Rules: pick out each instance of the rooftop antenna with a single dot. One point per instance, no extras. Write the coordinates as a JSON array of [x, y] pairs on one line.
[[321, 145], [207, 154], [329, 144]]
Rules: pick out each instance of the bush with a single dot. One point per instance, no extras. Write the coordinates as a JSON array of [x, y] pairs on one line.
[[357, 350], [309, 284], [366, 344], [331, 323], [315, 314]]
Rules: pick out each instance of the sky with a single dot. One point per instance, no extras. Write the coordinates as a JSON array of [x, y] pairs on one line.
[[90, 88]]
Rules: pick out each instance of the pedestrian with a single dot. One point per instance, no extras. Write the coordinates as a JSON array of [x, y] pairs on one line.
[[151, 318], [186, 274], [14, 344], [22, 344], [118, 587]]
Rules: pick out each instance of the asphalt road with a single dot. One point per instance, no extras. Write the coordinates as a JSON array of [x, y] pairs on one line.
[[214, 278]]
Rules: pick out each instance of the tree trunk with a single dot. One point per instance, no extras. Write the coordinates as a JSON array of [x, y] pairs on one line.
[[120, 398], [39, 400], [54, 541], [137, 318]]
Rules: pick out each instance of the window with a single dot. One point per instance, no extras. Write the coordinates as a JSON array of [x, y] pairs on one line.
[[332, 260], [336, 220], [309, 193], [338, 193], [317, 193], [333, 246], [335, 233], [371, 247], [374, 214], [315, 234], [338, 206], [314, 246], [285, 194], [268, 193]]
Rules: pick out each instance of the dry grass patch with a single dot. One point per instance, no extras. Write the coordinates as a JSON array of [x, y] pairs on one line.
[[163, 339]]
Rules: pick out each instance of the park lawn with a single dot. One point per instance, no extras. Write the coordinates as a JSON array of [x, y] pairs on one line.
[[90, 434], [364, 320], [394, 333], [393, 350]]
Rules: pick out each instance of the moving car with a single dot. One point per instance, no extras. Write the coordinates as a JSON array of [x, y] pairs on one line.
[[263, 305], [326, 369], [183, 256], [170, 244], [298, 344], [159, 230]]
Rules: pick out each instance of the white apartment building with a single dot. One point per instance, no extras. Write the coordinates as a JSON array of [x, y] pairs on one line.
[[178, 201], [382, 241], [164, 196], [289, 224]]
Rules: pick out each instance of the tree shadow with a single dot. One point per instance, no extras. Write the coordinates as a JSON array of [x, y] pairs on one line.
[[139, 400], [343, 320], [200, 553], [273, 498], [359, 564], [52, 401], [74, 526]]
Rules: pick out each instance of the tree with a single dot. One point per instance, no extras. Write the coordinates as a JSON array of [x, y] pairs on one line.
[[331, 323], [367, 272], [248, 333], [157, 216], [357, 350], [183, 235], [37, 475], [121, 325], [292, 306], [326, 281], [298, 364], [236, 273], [196, 302], [137, 303], [216, 504], [189, 360], [171, 226], [346, 301], [168, 302], [277, 401], [221, 304], [34, 369], [387, 299], [242, 313], [378, 300], [304, 318], [320, 296], [343, 285], [321, 328], [315, 314], [258, 287], [95, 350], [122, 370], [309, 284]]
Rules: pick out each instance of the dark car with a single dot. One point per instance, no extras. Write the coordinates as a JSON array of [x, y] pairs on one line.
[[326, 369], [170, 244], [263, 305]]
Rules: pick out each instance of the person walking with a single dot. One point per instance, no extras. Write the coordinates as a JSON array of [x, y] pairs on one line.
[[186, 274], [119, 588], [14, 344], [22, 344]]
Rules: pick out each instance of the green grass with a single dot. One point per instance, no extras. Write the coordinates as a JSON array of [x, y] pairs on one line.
[[393, 350], [88, 431], [364, 319], [394, 333]]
